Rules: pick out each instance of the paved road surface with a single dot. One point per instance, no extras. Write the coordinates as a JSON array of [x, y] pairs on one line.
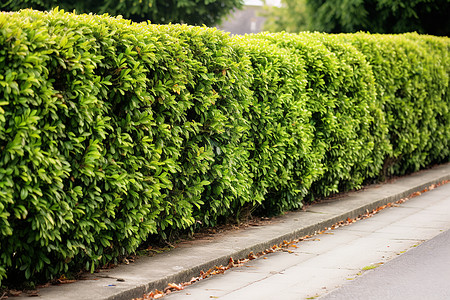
[[421, 273], [341, 258]]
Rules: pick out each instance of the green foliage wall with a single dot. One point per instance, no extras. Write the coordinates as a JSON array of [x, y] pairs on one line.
[[112, 131], [341, 98], [412, 88]]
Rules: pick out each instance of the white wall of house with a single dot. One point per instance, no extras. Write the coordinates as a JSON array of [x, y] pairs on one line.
[[261, 3], [248, 19]]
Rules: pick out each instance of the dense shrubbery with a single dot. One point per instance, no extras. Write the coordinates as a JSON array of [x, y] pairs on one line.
[[111, 131], [412, 81]]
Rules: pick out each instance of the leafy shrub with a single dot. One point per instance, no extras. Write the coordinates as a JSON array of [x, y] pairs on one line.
[[112, 132], [115, 153], [412, 88], [281, 135], [364, 150], [341, 100], [219, 96]]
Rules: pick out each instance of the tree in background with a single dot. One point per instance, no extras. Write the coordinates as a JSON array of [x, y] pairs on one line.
[[194, 12], [290, 17], [377, 16]]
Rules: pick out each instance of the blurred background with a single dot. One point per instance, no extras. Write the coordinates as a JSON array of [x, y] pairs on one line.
[[252, 16], [335, 16]]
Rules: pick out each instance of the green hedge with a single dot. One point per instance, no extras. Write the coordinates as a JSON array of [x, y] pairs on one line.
[[112, 132], [342, 101], [412, 81]]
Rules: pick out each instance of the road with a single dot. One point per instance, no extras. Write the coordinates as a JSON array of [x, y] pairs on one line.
[[421, 273], [400, 253]]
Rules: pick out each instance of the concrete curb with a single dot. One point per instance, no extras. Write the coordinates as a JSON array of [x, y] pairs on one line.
[[188, 259]]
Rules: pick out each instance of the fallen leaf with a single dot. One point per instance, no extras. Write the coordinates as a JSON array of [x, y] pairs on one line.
[[231, 262], [33, 293], [66, 281], [14, 293], [175, 286], [43, 285]]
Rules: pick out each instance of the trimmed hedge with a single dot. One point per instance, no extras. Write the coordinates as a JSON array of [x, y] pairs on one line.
[[117, 125], [112, 132], [412, 81], [341, 99]]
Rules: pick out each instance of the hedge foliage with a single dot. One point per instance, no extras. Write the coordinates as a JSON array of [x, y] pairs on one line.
[[112, 131]]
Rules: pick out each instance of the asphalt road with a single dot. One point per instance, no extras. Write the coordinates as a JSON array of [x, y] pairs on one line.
[[400, 253], [421, 273]]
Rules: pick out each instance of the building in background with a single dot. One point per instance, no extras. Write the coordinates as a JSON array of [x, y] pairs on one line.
[[249, 19]]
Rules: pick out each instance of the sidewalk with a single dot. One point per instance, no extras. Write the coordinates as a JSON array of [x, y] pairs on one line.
[[340, 257], [188, 259]]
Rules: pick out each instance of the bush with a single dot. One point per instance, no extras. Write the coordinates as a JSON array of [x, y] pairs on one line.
[[214, 174], [114, 132], [341, 99], [281, 158], [412, 82], [108, 128]]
